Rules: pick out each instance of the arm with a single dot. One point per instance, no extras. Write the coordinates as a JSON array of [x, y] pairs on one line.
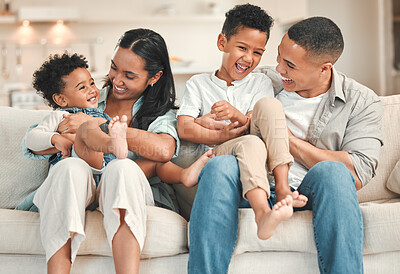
[[309, 155], [189, 130], [72, 122], [153, 146]]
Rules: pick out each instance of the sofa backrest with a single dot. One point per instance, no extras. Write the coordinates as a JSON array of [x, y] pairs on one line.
[[19, 175], [376, 189]]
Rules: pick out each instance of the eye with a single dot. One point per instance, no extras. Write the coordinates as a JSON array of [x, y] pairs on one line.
[[81, 87], [290, 66], [113, 67], [258, 53], [242, 48], [129, 77], [92, 83]]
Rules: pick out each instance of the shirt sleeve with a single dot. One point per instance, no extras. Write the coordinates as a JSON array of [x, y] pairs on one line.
[[166, 124], [191, 100], [265, 89], [363, 137], [27, 152], [39, 138]]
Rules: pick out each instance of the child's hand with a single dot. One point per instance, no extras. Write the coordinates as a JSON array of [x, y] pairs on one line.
[[225, 111], [234, 130], [62, 144], [208, 121]]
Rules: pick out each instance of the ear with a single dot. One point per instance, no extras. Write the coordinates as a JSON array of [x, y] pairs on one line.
[[326, 67], [60, 100], [155, 78], [221, 42]]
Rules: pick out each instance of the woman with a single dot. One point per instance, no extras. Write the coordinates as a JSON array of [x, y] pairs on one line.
[[140, 86]]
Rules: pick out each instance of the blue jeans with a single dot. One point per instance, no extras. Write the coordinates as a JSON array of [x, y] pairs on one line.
[[337, 219]]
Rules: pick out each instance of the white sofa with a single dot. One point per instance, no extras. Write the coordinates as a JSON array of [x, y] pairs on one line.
[[290, 250]]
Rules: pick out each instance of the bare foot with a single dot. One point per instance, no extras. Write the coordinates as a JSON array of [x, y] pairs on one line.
[[299, 200], [267, 223], [189, 175], [118, 145]]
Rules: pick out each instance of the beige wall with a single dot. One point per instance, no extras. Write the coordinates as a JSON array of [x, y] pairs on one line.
[[358, 20], [189, 36]]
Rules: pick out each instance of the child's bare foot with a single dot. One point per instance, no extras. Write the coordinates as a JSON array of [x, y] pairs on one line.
[[268, 222], [189, 175], [118, 145], [299, 200]]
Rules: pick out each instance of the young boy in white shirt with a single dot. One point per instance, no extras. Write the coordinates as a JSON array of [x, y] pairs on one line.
[[217, 109]]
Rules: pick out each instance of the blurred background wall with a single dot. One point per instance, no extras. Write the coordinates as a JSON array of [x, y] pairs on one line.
[[190, 29]]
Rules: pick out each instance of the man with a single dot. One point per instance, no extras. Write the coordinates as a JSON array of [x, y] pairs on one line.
[[335, 139]]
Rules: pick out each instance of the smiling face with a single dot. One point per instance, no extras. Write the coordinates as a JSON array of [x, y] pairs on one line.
[[79, 90], [128, 75], [300, 72], [241, 53]]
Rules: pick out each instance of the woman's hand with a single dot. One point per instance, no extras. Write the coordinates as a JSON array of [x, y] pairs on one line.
[[71, 122]]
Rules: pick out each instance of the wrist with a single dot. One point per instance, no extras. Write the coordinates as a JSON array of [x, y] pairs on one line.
[[54, 139]]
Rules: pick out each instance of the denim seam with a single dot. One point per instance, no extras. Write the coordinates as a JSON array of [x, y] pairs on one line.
[[316, 242]]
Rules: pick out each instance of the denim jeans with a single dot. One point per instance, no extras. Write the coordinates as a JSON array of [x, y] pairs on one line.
[[337, 219]]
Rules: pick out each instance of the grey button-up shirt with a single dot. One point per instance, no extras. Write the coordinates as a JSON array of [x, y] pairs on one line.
[[348, 119]]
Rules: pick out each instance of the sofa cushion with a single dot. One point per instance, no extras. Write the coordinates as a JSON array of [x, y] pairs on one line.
[[376, 189], [381, 231], [166, 234], [19, 175], [393, 182]]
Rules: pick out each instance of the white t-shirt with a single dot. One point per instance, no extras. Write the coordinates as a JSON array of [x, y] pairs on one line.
[[203, 90], [299, 113]]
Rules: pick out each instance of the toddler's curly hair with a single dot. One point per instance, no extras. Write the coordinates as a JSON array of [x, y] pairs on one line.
[[246, 15], [48, 79]]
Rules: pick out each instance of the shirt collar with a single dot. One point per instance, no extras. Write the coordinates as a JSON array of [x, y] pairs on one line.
[[336, 90], [222, 83], [103, 101]]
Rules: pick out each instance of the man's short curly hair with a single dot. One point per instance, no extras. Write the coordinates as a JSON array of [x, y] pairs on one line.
[[319, 36], [246, 15], [47, 80]]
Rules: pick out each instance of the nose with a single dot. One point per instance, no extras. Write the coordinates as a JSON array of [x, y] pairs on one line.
[[117, 78], [279, 67], [247, 57]]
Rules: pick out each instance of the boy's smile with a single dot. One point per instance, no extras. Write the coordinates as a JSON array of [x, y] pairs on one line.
[[241, 53]]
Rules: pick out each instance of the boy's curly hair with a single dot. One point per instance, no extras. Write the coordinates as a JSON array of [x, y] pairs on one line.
[[246, 15], [47, 80]]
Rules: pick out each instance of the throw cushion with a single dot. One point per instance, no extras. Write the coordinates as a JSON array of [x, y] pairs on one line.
[[393, 182]]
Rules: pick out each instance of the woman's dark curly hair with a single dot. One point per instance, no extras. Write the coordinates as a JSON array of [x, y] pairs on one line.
[[246, 15], [47, 80]]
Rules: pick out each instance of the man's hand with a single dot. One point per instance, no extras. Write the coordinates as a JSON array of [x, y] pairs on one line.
[[208, 121], [225, 111], [63, 144]]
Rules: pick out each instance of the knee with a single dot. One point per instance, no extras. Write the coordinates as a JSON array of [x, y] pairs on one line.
[[268, 103], [252, 143], [332, 177], [218, 172], [118, 169], [70, 172]]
